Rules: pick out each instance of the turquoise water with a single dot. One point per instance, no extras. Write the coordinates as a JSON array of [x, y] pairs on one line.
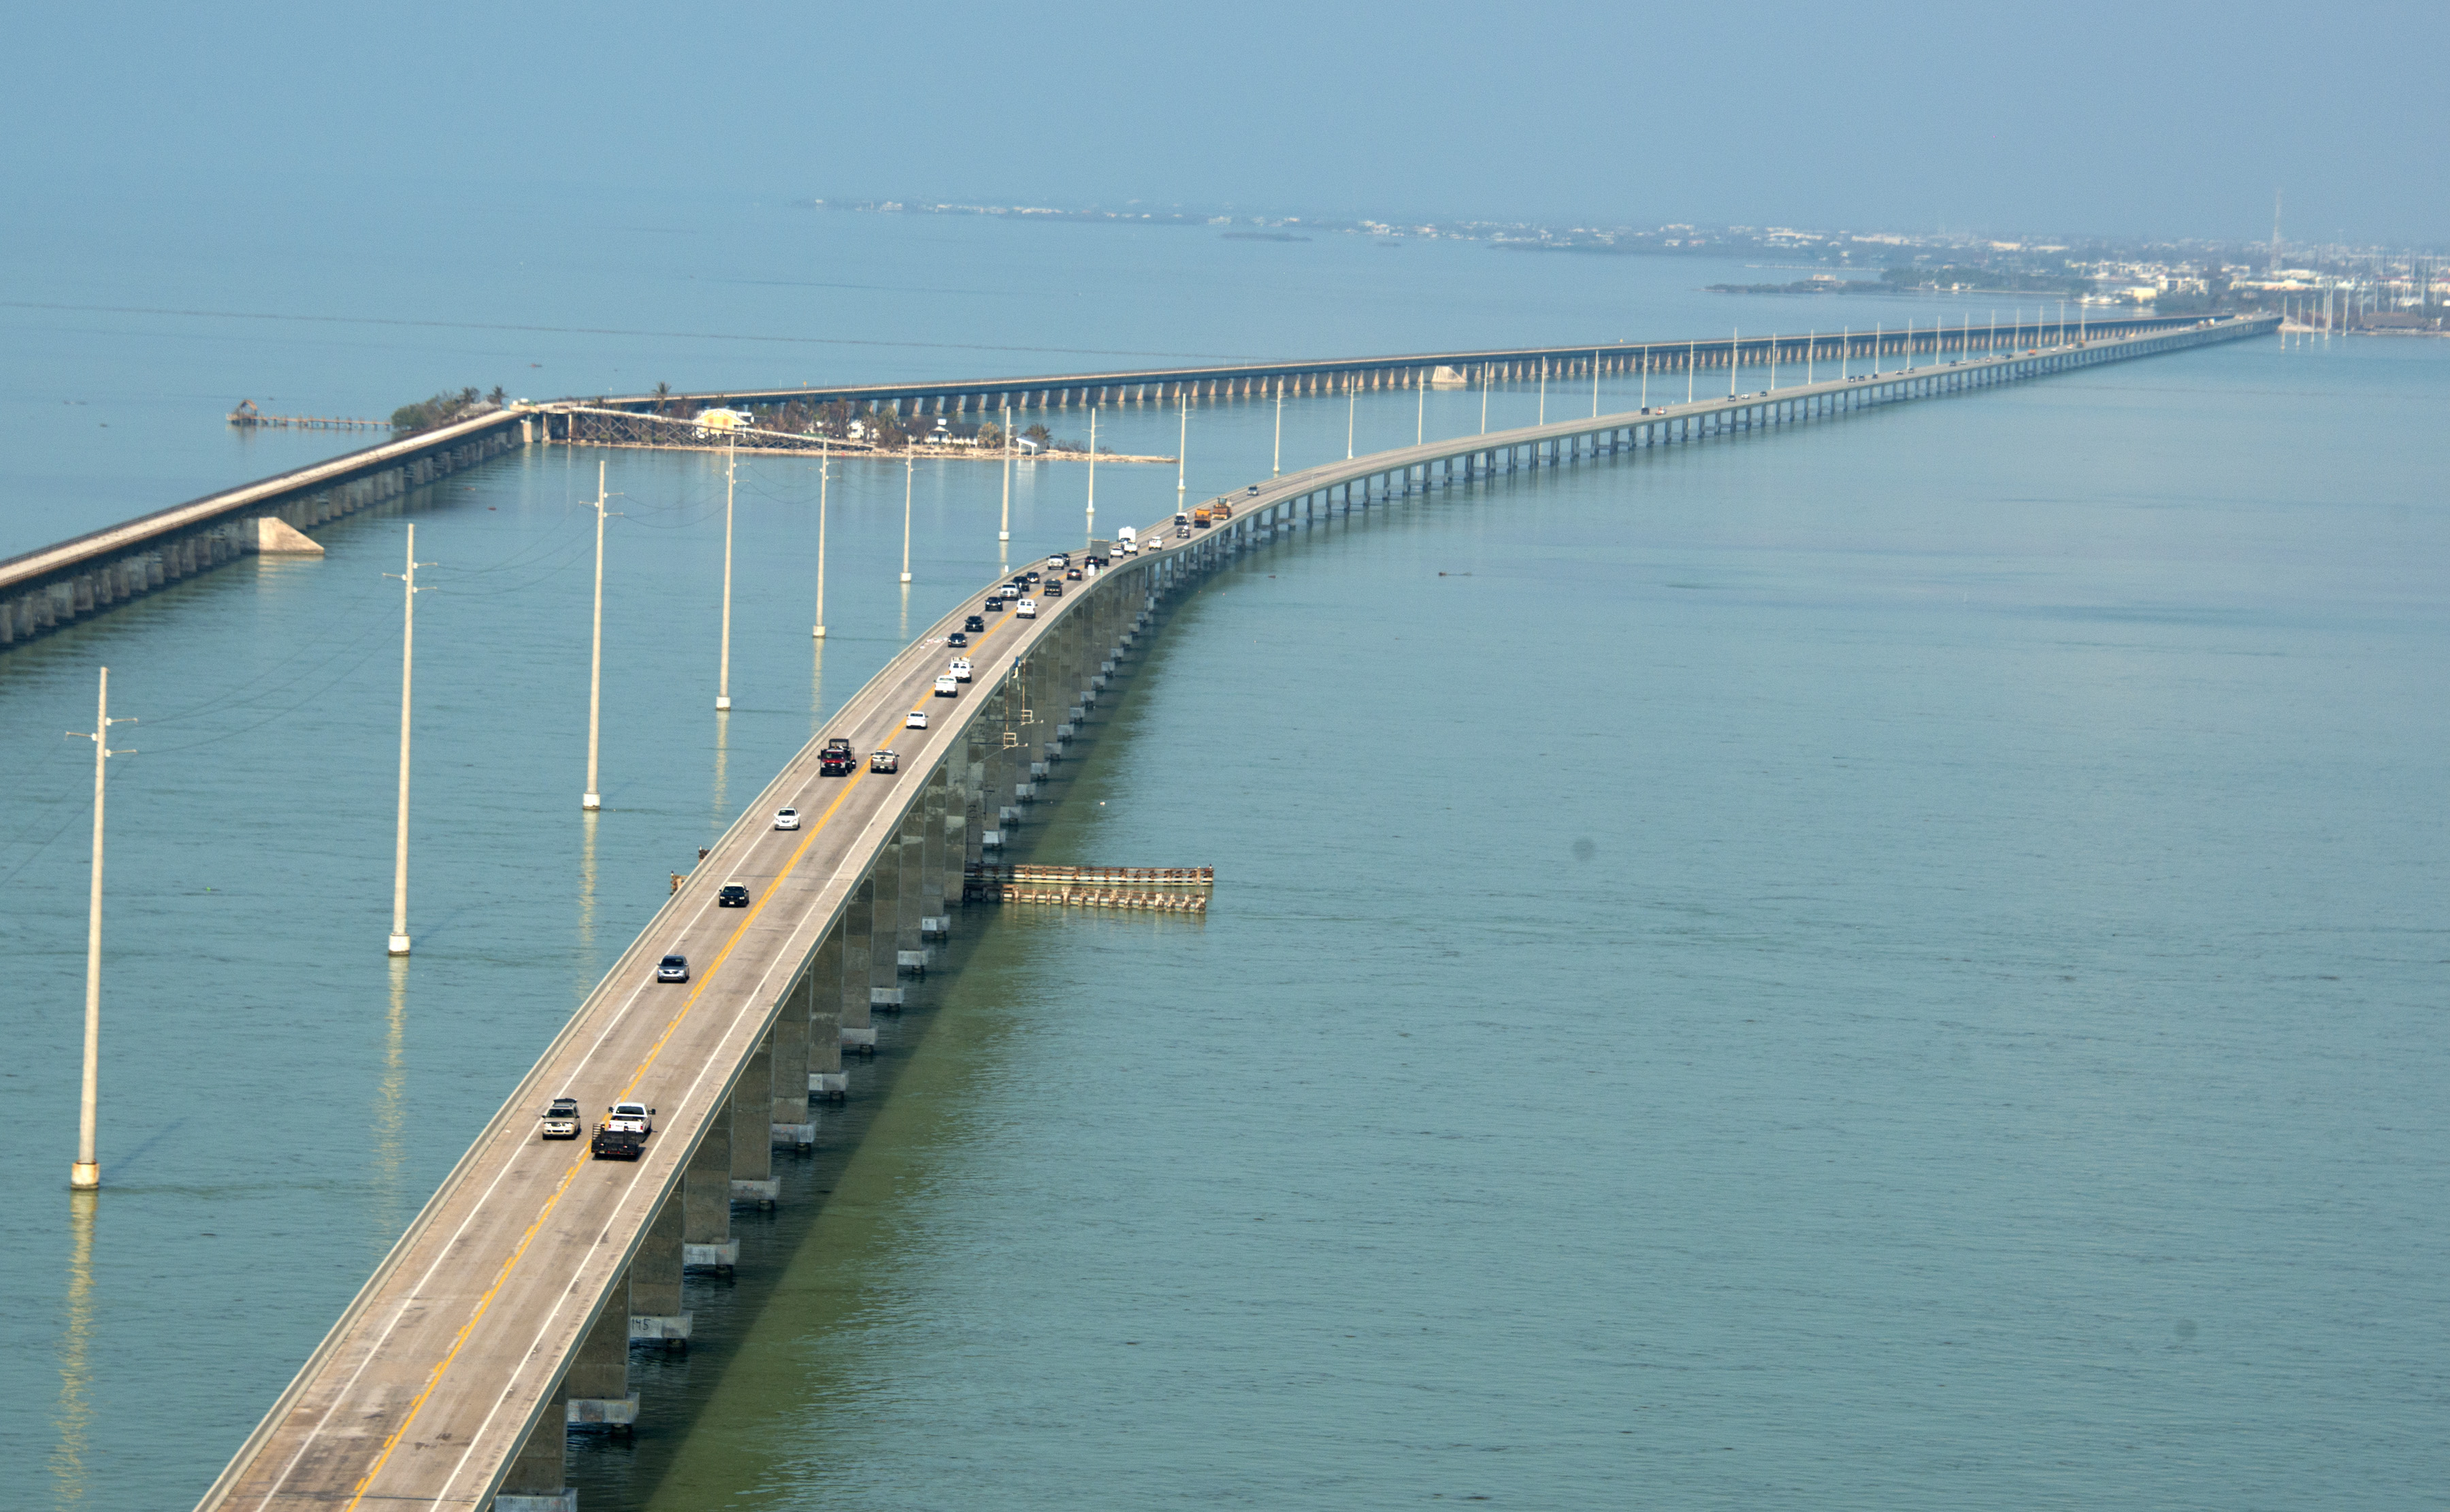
[[1894, 963]]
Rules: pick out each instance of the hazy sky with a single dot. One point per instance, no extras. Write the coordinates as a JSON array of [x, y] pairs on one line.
[[2175, 119]]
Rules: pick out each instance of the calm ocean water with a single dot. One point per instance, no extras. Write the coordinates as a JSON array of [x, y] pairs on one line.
[[1895, 965]]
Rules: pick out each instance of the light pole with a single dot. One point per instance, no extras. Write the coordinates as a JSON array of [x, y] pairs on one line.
[[909, 472], [1484, 399], [1811, 350], [1092, 477], [1276, 462], [723, 674], [1420, 408], [1875, 349], [86, 1175], [407, 668], [1692, 354], [1595, 384], [1735, 352], [1646, 380], [1350, 399], [591, 800], [1005, 530], [1182, 448], [823, 466], [1543, 391]]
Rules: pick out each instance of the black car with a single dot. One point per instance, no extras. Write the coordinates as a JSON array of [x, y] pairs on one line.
[[975, 622], [993, 605], [732, 896], [1029, 577], [1071, 574], [957, 638], [1052, 588]]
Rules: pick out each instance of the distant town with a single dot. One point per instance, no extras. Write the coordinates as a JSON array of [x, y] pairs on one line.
[[2368, 289]]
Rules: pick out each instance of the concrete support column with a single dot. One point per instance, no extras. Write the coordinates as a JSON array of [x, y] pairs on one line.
[[933, 921], [823, 987], [858, 969], [910, 951], [792, 1125], [707, 1243], [596, 1388], [752, 1140], [534, 1481], [657, 1315], [884, 975]]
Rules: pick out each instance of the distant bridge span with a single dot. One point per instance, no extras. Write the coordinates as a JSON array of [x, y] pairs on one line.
[[506, 1313], [1199, 384]]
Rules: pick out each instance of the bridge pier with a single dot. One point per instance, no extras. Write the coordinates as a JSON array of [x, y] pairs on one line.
[[707, 1243], [534, 1481], [858, 928], [752, 1142], [657, 1315], [884, 911], [826, 1077], [910, 949], [596, 1389], [933, 921], [788, 1082]]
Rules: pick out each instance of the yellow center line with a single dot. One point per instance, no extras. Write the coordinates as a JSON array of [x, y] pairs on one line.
[[485, 1301]]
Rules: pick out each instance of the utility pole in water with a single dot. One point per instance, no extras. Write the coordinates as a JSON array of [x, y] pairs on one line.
[[407, 670], [86, 1174], [723, 675]]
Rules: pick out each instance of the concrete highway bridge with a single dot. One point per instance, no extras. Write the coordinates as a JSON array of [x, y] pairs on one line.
[[505, 1315], [1939, 342]]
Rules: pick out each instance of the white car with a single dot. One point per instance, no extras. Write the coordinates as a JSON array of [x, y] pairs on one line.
[[916, 719], [1026, 608], [948, 686], [961, 667], [787, 818]]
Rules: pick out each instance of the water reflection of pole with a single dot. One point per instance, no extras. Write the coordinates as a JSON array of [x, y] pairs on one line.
[[76, 1372], [591, 800], [86, 1175], [723, 674], [722, 766], [910, 474], [407, 668], [390, 1099], [823, 468]]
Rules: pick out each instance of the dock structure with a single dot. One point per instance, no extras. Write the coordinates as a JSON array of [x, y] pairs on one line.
[[503, 1318]]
